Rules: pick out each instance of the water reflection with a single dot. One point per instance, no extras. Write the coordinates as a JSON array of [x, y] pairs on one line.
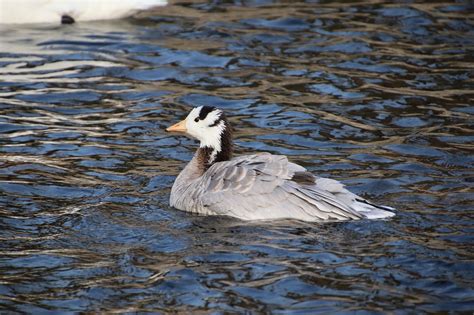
[[376, 95]]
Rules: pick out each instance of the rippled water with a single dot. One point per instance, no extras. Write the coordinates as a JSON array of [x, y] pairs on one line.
[[379, 96]]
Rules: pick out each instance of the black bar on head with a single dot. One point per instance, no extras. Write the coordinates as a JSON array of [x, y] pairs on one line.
[[204, 111]]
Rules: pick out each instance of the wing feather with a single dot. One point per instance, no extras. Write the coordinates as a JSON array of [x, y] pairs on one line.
[[260, 187]]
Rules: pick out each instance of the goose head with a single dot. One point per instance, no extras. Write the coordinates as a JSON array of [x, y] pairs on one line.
[[209, 125]]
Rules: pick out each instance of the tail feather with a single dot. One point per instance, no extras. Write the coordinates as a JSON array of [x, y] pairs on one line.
[[372, 211]]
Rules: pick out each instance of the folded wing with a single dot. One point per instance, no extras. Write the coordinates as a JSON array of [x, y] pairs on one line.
[[261, 187]]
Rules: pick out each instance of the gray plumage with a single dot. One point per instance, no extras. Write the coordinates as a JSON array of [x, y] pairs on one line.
[[263, 187]]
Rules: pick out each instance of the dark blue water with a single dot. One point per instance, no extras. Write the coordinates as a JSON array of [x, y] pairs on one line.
[[379, 96]]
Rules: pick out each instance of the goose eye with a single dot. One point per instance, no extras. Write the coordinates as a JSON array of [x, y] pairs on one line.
[[196, 119]]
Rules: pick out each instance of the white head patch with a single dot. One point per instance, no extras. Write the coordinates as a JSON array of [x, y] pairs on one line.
[[207, 130]]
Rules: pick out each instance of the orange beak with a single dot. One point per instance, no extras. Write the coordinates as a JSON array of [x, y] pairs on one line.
[[179, 127]]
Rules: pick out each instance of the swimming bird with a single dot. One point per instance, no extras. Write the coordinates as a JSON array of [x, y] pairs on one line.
[[259, 186], [69, 11]]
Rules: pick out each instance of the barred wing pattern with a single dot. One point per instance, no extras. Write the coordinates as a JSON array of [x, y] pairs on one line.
[[259, 186]]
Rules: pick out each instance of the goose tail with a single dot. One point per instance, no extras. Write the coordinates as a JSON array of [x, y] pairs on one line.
[[372, 211]]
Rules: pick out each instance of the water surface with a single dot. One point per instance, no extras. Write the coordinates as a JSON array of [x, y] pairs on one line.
[[376, 95]]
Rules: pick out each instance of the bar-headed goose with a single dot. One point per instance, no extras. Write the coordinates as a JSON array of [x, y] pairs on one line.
[[260, 186]]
